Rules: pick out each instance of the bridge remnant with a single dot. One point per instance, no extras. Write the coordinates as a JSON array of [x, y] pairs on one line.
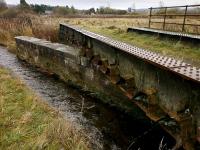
[[124, 75]]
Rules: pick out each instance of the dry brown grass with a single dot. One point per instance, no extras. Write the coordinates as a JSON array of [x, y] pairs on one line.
[[178, 28], [26, 122], [28, 26], [47, 27], [121, 23], [61, 134]]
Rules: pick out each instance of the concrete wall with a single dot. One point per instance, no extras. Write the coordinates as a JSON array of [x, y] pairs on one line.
[[75, 69]]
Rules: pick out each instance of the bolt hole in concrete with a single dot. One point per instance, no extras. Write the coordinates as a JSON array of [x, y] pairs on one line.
[[109, 128]]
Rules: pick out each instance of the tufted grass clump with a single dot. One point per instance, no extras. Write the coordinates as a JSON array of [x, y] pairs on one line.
[[26, 122]]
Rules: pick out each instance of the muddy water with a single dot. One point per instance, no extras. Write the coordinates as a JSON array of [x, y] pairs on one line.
[[107, 127]]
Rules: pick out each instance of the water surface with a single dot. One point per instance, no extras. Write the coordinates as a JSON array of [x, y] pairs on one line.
[[107, 127]]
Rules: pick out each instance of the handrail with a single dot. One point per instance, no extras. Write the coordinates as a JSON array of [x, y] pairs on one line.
[[175, 6], [165, 16]]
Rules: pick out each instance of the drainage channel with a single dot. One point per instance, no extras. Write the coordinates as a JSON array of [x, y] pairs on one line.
[[109, 128]]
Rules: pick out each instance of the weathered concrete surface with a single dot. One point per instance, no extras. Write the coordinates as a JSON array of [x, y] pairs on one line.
[[76, 69], [157, 91]]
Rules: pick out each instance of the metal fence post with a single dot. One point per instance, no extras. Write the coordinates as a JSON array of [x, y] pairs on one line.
[[184, 20], [165, 15], [150, 17]]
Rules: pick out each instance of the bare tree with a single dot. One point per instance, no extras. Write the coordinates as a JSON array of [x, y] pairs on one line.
[[134, 7], [161, 10], [24, 4], [108, 3], [3, 4], [161, 4]]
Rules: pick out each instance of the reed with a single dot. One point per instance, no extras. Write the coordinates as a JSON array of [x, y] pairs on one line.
[[25, 26]]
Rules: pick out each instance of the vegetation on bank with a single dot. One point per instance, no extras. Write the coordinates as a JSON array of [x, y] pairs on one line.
[[28, 123], [26, 25]]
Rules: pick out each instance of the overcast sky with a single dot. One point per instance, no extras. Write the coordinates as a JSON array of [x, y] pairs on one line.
[[120, 4]]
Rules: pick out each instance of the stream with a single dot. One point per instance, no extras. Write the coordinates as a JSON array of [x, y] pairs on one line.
[[108, 128]]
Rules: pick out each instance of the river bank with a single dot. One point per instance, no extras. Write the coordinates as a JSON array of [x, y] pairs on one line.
[[106, 127], [28, 122]]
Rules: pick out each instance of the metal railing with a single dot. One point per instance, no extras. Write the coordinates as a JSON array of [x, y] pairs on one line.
[[162, 13]]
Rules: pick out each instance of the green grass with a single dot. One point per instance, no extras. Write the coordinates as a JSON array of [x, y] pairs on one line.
[[28, 123], [116, 29]]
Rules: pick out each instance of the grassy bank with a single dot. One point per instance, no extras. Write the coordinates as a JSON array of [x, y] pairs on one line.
[[116, 29], [28, 123]]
